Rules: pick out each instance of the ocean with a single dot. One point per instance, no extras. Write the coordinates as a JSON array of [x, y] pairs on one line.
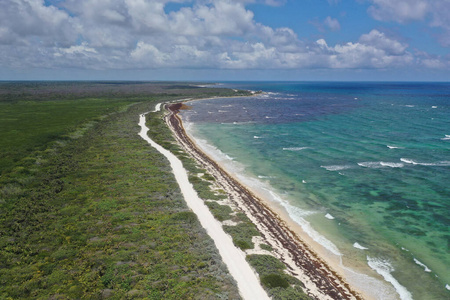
[[364, 168]]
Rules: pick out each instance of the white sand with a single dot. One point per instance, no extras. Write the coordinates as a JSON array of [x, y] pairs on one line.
[[247, 280]]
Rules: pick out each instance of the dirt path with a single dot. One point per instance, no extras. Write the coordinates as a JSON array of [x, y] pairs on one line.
[[247, 281]]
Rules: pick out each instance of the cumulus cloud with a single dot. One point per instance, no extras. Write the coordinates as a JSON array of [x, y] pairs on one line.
[[24, 20], [379, 40], [435, 12], [221, 34], [373, 50]]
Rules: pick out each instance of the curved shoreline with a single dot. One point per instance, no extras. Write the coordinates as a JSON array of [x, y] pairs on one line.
[[321, 282]]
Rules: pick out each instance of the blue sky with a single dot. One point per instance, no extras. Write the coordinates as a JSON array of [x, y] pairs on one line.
[[218, 40]]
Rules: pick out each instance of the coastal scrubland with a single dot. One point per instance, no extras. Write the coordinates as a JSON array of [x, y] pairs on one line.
[[87, 209]]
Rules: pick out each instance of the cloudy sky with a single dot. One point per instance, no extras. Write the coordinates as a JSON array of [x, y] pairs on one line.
[[225, 39]]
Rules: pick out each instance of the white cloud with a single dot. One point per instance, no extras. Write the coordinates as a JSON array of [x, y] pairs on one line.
[[150, 54], [399, 10], [332, 24], [373, 50], [225, 18], [24, 20], [433, 61], [381, 41], [82, 49], [127, 34], [435, 12], [328, 23]]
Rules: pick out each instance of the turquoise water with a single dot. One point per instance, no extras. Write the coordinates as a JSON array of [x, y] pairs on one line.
[[370, 160]]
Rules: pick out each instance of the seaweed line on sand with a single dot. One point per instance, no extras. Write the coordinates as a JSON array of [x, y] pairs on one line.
[[320, 281]]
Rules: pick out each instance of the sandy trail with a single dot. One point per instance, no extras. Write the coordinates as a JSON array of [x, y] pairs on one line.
[[247, 280]]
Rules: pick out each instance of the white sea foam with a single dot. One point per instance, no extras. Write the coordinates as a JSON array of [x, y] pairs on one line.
[[447, 287], [223, 111], [370, 286], [295, 213], [295, 148], [370, 164], [298, 215], [409, 105], [257, 137], [329, 217], [380, 164], [265, 177], [446, 138], [229, 157], [384, 268], [422, 265], [358, 246], [435, 164], [434, 107], [337, 167], [393, 147], [391, 164], [408, 161], [239, 123]]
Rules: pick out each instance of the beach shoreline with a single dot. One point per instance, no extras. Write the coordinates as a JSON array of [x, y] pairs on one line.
[[303, 261]]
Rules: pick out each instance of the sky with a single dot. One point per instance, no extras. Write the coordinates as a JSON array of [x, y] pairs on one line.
[[218, 40]]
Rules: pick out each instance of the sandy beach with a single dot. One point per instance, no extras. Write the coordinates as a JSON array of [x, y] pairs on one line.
[[321, 281], [247, 280]]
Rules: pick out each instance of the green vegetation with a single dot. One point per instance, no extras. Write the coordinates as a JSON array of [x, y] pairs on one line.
[[161, 134], [266, 247], [87, 208], [278, 284], [220, 212], [21, 134], [243, 232]]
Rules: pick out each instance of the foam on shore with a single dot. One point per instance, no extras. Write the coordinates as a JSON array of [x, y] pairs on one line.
[[358, 246], [298, 215], [384, 268]]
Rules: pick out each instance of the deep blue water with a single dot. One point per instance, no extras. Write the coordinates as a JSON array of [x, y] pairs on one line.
[[370, 162]]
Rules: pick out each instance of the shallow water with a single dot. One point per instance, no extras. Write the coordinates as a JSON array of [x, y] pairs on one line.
[[367, 165]]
